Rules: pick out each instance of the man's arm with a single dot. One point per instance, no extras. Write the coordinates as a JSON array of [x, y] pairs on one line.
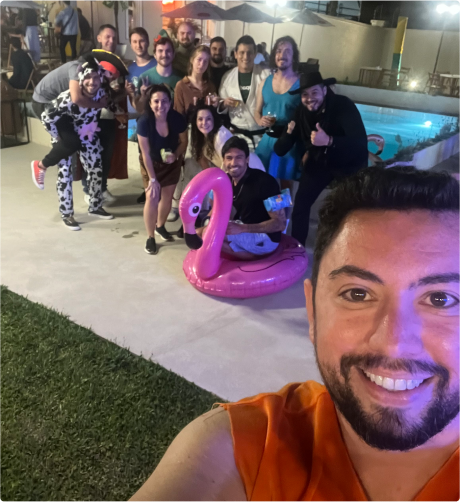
[[80, 99], [276, 223], [287, 140], [199, 464], [260, 119]]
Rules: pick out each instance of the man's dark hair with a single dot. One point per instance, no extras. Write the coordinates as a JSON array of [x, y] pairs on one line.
[[104, 27], [218, 39], [246, 40], [163, 41], [374, 188], [295, 51], [139, 31], [236, 142], [79, 11], [15, 42]]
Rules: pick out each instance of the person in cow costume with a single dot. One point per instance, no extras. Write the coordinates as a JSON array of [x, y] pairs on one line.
[[92, 75]]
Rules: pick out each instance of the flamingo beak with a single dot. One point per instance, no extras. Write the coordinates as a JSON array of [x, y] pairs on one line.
[[193, 241], [379, 152]]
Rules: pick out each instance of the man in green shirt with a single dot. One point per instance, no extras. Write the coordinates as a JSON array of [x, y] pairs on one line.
[[163, 73], [184, 47]]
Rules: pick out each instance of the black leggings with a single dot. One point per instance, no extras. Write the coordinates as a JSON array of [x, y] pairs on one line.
[[73, 46], [68, 144]]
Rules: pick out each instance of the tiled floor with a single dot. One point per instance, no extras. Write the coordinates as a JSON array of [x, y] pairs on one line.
[[102, 278]]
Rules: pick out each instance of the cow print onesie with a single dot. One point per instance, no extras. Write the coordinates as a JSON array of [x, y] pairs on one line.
[[85, 122]]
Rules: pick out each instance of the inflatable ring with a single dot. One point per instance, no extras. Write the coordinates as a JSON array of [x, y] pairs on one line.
[[215, 275]]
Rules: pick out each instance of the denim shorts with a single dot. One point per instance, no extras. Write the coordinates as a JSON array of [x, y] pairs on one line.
[[258, 244]]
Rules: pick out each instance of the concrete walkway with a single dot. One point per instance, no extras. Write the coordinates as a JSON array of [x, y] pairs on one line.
[[102, 278]]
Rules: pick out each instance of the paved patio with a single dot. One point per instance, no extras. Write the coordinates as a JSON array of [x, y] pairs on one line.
[[102, 278]]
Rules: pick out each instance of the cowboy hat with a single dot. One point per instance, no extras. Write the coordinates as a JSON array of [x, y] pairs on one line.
[[310, 79]]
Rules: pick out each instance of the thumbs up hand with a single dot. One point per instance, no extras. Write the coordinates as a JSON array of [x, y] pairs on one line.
[[319, 137]]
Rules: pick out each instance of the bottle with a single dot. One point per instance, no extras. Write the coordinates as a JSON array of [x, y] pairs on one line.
[[278, 202]]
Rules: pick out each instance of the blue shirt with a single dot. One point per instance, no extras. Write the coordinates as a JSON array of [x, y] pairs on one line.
[[68, 18], [134, 71]]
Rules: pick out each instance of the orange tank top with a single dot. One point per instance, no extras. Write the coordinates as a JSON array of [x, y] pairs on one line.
[[288, 446]]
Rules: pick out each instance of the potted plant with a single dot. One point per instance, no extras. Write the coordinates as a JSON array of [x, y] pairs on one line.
[[115, 5]]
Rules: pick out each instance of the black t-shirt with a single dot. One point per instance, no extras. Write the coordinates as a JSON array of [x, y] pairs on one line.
[[146, 128], [217, 74], [244, 81], [249, 195]]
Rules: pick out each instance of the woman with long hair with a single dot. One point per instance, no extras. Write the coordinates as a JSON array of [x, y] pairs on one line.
[[197, 86], [158, 132], [208, 136]]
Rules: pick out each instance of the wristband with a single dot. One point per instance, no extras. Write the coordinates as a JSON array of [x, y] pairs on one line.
[[152, 180]]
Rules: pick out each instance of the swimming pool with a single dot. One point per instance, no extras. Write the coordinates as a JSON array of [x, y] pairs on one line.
[[402, 128]]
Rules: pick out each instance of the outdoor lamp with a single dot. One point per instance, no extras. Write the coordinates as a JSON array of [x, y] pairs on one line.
[[278, 3], [413, 84], [452, 9]]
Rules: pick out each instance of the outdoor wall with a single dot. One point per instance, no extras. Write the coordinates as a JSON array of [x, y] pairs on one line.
[[341, 49]]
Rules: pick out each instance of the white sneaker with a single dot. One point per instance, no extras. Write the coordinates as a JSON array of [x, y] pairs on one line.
[[173, 215], [86, 198], [108, 197]]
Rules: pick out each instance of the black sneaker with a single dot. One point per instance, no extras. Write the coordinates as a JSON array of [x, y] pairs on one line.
[[101, 213], [164, 234], [141, 198], [151, 246], [180, 232], [70, 223]]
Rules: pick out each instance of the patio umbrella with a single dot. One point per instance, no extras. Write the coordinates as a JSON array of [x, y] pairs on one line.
[[249, 14], [199, 10], [20, 5], [304, 17]]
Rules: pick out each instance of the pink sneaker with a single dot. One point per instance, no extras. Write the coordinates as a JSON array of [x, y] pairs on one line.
[[38, 175]]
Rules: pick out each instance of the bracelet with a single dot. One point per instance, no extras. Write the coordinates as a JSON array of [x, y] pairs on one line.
[[152, 180]]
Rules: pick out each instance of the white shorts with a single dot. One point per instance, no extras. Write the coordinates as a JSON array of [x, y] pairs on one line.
[[258, 244]]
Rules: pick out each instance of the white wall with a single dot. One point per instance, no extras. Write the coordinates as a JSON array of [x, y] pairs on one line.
[[341, 49]]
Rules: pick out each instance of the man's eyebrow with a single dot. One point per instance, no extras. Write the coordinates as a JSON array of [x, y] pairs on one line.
[[436, 279], [351, 270]]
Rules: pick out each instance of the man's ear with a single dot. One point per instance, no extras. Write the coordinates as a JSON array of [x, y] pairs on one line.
[[308, 288]]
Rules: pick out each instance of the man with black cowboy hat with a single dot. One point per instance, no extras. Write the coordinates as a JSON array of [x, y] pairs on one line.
[[331, 130]]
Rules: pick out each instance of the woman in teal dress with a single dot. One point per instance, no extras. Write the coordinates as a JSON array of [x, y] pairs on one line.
[[283, 106]]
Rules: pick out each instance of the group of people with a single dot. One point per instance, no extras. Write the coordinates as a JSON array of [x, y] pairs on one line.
[[189, 105]]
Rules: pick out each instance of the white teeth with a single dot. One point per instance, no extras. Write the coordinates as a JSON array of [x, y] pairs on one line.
[[391, 384]]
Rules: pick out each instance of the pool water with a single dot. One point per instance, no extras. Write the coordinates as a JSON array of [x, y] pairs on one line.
[[402, 128]]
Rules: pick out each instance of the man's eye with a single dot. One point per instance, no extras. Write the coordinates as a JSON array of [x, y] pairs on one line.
[[441, 300], [356, 295]]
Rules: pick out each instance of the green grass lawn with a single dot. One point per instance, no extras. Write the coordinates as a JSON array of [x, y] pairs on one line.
[[81, 418]]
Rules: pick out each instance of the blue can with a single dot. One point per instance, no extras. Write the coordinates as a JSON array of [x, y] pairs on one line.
[[278, 202]]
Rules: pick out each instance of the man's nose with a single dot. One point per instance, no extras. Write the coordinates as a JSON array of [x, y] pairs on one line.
[[398, 331]]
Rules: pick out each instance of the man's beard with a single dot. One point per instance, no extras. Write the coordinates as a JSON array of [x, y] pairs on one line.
[[387, 428], [283, 65], [217, 59], [186, 44], [163, 63]]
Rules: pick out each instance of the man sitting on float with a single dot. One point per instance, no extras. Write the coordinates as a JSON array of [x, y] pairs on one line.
[[252, 231]]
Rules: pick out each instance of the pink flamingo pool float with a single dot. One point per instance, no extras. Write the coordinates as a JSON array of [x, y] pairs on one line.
[[211, 273]]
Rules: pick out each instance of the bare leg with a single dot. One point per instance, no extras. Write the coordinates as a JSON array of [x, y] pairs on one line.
[[150, 213], [164, 207]]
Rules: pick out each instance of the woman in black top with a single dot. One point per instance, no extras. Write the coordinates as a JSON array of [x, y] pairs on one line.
[[162, 151]]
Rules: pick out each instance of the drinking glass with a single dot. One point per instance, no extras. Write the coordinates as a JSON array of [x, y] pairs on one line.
[[272, 117]]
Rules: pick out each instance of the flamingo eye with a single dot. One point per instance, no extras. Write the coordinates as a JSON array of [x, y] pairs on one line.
[[194, 209]]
